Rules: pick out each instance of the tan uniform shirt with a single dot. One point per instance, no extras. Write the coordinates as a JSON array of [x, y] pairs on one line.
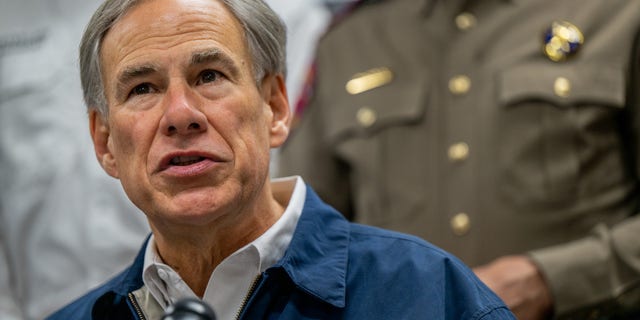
[[458, 128]]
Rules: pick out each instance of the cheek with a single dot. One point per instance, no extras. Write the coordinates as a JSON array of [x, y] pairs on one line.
[[129, 140], [256, 138], [252, 126]]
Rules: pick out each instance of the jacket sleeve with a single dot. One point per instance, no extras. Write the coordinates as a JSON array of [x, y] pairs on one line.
[[599, 276]]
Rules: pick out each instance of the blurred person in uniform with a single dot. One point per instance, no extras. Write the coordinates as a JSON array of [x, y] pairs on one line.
[[64, 224], [504, 131]]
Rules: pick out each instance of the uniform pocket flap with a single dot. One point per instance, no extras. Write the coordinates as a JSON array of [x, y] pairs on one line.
[[563, 84], [398, 102]]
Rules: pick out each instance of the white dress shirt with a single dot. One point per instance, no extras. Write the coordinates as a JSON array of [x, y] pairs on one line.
[[232, 279]]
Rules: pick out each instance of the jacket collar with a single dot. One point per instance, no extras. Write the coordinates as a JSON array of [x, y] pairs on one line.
[[317, 257], [131, 279]]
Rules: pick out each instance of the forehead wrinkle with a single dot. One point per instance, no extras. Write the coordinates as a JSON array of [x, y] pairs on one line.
[[130, 44], [192, 26], [166, 32]]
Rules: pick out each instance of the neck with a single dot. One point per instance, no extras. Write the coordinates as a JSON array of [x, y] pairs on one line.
[[195, 251]]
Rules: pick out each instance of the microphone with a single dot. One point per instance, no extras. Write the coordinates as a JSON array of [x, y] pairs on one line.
[[189, 309]]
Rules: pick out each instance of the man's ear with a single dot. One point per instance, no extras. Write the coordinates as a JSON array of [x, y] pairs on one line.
[[275, 92], [101, 136]]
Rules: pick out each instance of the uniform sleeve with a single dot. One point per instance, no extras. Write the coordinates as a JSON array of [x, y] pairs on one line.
[[595, 276], [599, 276]]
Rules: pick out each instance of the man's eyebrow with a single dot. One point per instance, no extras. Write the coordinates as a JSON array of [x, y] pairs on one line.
[[132, 72], [215, 56]]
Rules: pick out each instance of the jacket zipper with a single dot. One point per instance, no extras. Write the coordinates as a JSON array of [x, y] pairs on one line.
[[136, 306], [252, 289]]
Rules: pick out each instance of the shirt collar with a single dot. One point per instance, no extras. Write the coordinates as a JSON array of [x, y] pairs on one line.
[[239, 269]]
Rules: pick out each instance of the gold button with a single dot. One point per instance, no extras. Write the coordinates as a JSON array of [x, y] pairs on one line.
[[459, 84], [460, 224], [562, 87], [458, 151], [465, 21], [366, 117]]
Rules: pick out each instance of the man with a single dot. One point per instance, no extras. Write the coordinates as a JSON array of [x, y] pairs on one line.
[[503, 131], [186, 98], [67, 201]]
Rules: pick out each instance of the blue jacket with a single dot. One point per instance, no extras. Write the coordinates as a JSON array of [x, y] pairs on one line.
[[334, 269]]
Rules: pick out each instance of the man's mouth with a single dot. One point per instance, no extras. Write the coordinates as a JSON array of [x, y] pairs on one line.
[[188, 163], [185, 160]]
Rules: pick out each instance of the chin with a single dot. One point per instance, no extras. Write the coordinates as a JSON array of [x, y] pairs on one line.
[[194, 209], [193, 218]]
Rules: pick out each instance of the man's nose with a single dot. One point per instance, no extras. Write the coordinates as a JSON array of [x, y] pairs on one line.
[[182, 115]]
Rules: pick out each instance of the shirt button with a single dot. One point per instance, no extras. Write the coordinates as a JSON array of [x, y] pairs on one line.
[[366, 117], [460, 224], [465, 21], [458, 152], [562, 87], [460, 84], [163, 275]]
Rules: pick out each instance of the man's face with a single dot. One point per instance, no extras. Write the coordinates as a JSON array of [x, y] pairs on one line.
[[188, 132]]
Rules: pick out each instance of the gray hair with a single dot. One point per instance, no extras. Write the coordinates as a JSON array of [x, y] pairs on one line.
[[265, 35]]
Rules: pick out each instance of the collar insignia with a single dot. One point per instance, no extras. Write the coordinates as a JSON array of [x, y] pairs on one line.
[[369, 80]]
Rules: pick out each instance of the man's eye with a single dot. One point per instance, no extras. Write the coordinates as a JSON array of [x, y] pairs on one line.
[[141, 89], [208, 76]]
